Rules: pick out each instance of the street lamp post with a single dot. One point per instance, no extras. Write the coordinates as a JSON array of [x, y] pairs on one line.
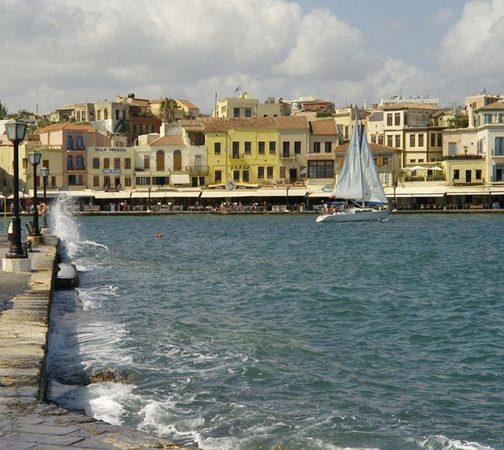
[[45, 176], [16, 130], [35, 161]]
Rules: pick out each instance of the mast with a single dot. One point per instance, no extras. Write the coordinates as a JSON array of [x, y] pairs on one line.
[[361, 137]]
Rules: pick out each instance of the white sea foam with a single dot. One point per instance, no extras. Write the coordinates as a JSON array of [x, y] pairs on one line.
[[441, 442], [102, 401]]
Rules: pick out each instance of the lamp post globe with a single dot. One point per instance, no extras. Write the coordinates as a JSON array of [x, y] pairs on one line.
[[35, 158], [45, 176], [16, 130]]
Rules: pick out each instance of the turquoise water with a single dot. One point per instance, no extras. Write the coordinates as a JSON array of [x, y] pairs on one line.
[[243, 332]]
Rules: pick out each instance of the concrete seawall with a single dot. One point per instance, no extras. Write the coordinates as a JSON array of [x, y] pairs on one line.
[[27, 421]]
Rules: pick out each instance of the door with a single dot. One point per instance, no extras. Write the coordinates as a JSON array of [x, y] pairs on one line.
[[160, 161], [292, 175], [177, 160], [468, 176]]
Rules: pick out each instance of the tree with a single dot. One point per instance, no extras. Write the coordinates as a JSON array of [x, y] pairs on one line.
[[168, 110], [3, 110]]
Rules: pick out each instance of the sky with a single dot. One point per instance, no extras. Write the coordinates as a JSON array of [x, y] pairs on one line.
[[54, 52]]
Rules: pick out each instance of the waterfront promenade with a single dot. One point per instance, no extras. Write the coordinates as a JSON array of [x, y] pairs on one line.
[[26, 422]]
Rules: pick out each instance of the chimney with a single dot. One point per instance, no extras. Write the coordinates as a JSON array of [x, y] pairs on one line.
[[470, 116]]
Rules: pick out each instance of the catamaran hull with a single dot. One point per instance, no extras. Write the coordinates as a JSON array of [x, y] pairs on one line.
[[354, 215]]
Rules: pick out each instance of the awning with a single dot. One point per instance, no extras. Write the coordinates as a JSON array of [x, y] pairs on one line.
[[222, 193], [110, 195], [319, 194], [179, 179], [166, 194], [283, 192]]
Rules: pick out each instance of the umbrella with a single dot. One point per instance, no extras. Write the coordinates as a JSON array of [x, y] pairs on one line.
[[436, 168], [415, 168]]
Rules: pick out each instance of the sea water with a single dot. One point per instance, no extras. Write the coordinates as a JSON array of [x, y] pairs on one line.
[[250, 332]]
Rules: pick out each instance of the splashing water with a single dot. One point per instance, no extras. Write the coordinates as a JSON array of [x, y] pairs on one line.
[[66, 228]]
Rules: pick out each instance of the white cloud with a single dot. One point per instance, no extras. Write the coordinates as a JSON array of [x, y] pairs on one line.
[[472, 50], [61, 51]]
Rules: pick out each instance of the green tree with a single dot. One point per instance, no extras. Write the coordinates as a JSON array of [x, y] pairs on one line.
[[168, 110], [3, 110]]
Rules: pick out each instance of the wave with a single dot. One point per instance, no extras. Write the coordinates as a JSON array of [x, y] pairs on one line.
[[440, 442]]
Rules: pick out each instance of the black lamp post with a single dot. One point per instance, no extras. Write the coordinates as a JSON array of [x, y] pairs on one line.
[[35, 161], [45, 176], [16, 130]]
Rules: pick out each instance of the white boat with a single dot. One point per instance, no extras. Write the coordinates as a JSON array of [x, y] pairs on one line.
[[358, 184]]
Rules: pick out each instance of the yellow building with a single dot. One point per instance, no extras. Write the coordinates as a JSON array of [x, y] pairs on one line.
[[256, 150], [110, 168]]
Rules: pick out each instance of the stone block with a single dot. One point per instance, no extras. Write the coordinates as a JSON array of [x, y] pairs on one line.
[[16, 265]]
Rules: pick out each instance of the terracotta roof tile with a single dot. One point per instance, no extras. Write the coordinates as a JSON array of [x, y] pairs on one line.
[[498, 105], [65, 126], [187, 103], [168, 140], [323, 127], [216, 124]]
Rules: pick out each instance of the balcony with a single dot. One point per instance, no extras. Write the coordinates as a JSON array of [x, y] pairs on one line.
[[286, 155]]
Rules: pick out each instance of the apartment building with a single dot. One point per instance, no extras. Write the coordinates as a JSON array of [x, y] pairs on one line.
[[262, 150]]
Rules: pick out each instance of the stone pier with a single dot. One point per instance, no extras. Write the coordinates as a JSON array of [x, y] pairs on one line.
[[26, 420]]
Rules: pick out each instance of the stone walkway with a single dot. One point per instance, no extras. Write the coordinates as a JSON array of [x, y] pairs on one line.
[[26, 422]]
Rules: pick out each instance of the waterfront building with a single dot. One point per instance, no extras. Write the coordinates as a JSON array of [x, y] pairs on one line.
[[413, 127], [321, 154], [245, 105], [71, 141], [266, 150], [110, 169]]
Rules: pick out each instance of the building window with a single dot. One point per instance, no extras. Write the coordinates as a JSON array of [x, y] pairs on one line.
[[499, 146], [487, 118], [53, 182], [397, 119], [236, 175], [316, 147], [236, 150], [246, 176], [143, 181], [160, 161], [412, 140], [261, 146], [398, 140], [269, 172], [96, 181], [320, 169], [117, 163], [440, 140], [106, 181], [45, 163], [272, 147], [248, 112], [127, 163], [478, 174], [385, 161], [390, 140], [117, 114], [327, 147], [70, 143], [389, 119], [285, 149], [25, 163], [106, 163], [75, 179], [260, 173], [452, 148], [218, 176], [98, 114], [69, 163], [248, 148], [217, 148], [127, 181], [433, 140], [236, 112], [146, 162], [456, 174], [96, 163], [297, 147], [420, 140]]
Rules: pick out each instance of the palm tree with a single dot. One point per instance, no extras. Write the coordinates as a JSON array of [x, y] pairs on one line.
[[168, 110]]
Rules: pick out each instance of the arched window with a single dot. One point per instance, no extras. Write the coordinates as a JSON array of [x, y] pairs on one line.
[[160, 161], [177, 160]]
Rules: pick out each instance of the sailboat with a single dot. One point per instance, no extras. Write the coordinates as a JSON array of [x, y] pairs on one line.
[[358, 185]]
